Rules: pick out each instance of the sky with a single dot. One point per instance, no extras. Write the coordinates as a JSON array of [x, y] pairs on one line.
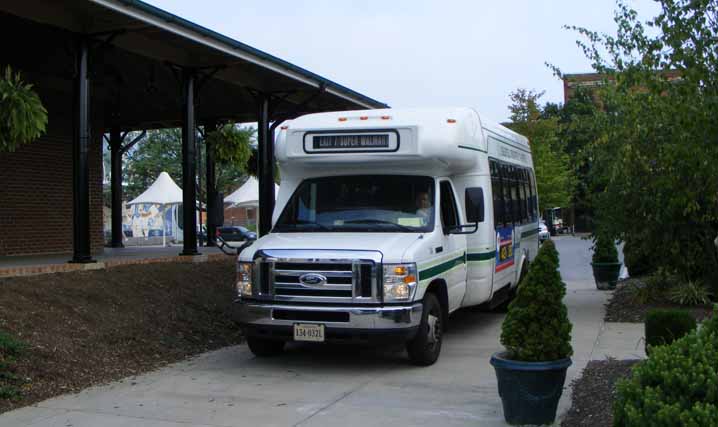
[[419, 53]]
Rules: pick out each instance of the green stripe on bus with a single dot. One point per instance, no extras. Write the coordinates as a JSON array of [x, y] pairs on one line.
[[484, 256], [529, 233], [444, 266]]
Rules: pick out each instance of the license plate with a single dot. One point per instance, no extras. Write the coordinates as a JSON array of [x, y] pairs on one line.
[[308, 332]]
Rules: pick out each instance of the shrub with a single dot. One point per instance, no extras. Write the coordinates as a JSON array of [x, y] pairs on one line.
[[638, 259], [604, 250], [690, 293], [22, 115], [9, 349], [676, 386], [663, 326], [536, 327], [643, 292]]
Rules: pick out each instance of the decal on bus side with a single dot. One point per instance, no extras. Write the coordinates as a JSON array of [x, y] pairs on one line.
[[504, 248]]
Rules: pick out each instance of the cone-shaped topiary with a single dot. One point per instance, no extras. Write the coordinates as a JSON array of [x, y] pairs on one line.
[[604, 250], [536, 328]]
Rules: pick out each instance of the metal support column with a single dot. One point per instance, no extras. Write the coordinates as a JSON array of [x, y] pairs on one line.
[[265, 168], [116, 186], [80, 165], [189, 193], [211, 187]]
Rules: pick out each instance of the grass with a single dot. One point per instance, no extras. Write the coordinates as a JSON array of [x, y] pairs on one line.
[[10, 348]]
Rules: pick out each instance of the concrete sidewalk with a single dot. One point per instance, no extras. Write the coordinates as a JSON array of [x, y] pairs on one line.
[[334, 385]]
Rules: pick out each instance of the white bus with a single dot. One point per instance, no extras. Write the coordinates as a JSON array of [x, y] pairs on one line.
[[386, 222]]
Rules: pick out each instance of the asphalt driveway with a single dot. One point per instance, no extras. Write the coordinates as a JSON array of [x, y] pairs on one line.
[[315, 385]]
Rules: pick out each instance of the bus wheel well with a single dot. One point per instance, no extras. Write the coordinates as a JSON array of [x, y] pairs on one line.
[[438, 288]]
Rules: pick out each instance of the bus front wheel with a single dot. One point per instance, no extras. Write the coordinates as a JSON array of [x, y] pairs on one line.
[[425, 347]]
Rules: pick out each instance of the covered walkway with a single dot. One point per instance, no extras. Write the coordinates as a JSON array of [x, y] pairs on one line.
[[26, 265], [108, 67]]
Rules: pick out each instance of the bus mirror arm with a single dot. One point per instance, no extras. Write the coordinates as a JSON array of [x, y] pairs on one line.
[[459, 229]]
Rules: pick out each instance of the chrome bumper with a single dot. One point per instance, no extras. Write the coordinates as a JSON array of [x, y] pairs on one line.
[[360, 318]]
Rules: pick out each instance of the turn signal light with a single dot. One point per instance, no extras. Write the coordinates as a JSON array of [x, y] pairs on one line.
[[342, 119], [400, 271], [450, 120]]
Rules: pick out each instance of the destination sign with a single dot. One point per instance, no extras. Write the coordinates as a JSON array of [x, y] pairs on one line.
[[349, 142]]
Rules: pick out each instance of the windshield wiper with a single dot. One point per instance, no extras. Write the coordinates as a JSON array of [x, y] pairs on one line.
[[379, 221], [299, 223]]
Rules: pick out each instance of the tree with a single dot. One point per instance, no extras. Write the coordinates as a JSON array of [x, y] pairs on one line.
[[551, 164], [162, 151], [655, 164]]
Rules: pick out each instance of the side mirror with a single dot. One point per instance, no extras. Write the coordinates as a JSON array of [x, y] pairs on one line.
[[474, 199]]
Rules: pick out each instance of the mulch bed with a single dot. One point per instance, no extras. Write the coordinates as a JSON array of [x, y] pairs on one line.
[[623, 308], [592, 394], [91, 327]]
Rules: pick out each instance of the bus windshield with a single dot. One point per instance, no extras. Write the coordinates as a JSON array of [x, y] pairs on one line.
[[363, 203]]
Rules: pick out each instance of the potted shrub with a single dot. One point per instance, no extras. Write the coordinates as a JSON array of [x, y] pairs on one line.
[[606, 267], [537, 335]]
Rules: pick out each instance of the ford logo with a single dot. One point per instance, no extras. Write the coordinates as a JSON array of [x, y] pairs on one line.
[[312, 279]]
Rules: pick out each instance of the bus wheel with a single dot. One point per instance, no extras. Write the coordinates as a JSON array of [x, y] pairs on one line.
[[425, 347], [263, 347]]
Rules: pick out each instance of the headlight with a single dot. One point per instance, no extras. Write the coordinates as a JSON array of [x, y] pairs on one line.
[[399, 282], [244, 279]]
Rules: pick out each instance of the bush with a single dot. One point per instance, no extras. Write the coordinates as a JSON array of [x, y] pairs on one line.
[[642, 293], [676, 386], [604, 250], [638, 259], [690, 293], [537, 328], [10, 348], [663, 326]]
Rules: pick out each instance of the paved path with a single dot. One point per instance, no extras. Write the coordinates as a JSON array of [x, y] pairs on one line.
[[331, 386]]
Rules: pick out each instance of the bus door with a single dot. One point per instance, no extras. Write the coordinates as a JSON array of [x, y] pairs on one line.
[[454, 245], [505, 226]]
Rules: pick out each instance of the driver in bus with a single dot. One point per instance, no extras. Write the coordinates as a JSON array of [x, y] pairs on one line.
[[423, 206]]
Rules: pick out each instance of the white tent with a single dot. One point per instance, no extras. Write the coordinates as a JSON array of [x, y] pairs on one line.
[[162, 192], [247, 196]]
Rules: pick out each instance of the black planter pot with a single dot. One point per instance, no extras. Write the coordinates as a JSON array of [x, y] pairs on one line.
[[529, 391], [606, 274]]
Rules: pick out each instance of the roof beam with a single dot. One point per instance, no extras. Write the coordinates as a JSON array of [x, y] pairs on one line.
[[125, 7]]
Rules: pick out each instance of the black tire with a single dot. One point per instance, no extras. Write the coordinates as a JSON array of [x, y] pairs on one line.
[[265, 348], [425, 347]]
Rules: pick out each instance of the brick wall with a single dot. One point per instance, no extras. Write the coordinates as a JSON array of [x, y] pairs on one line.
[[240, 216], [36, 196]]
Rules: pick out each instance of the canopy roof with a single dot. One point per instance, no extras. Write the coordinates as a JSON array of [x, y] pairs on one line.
[[138, 52], [163, 191], [247, 195]]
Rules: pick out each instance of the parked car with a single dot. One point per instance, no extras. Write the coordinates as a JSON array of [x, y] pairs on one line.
[[543, 232], [235, 233]]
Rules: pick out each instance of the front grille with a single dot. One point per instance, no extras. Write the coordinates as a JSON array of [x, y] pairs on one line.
[[345, 281]]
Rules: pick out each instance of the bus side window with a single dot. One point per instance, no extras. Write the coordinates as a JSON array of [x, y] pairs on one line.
[[534, 198], [506, 187], [497, 194], [522, 195], [449, 214], [516, 205]]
